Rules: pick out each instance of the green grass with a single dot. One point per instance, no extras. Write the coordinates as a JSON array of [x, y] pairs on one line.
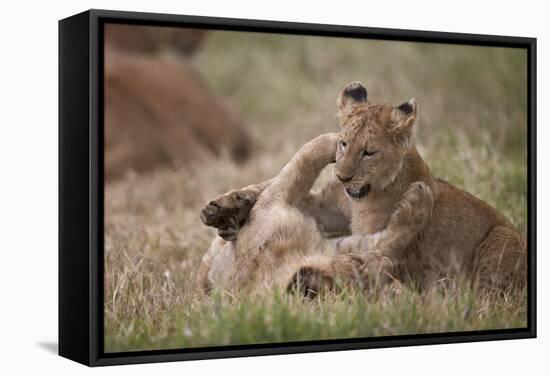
[[471, 132], [225, 320], [228, 320]]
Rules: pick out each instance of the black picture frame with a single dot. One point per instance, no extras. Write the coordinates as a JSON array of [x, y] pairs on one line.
[[81, 186]]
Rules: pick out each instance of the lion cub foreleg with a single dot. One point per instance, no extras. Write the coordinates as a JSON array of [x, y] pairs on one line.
[[384, 250]]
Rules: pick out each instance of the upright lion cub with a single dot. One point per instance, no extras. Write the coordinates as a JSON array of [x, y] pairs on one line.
[[405, 223]]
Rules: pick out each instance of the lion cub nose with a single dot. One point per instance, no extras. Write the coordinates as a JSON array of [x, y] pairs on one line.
[[344, 179]]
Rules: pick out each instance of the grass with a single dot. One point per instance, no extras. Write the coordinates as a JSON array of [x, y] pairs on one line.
[[224, 320], [472, 132]]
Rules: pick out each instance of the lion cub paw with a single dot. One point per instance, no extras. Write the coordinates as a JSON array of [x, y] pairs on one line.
[[228, 212], [414, 208], [377, 269]]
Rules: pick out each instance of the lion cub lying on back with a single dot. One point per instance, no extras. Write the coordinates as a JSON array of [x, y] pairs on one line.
[[405, 224]]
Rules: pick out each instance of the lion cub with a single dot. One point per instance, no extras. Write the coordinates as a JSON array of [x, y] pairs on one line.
[[405, 223], [277, 238]]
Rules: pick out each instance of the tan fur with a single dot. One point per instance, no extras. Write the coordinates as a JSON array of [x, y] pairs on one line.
[[278, 238], [405, 224]]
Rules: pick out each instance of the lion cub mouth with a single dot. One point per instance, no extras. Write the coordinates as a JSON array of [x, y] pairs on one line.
[[358, 193]]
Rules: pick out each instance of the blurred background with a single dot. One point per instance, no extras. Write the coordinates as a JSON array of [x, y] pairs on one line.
[[192, 114]]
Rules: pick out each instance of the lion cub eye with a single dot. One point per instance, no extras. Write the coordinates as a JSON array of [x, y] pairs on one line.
[[367, 154], [343, 144]]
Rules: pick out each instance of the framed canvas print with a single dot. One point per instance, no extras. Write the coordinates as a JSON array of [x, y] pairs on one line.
[[236, 187]]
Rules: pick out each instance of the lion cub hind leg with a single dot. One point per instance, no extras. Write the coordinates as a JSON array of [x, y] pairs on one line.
[[500, 261]]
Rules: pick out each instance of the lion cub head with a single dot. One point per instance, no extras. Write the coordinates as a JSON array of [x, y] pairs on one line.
[[374, 139]]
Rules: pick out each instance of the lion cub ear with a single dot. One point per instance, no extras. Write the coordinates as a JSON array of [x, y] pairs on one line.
[[352, 94], [404, 118]]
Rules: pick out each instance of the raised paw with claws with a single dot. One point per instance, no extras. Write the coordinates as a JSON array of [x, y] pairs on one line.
[[229, 212]]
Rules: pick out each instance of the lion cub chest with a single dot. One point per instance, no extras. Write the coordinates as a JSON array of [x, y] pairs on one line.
[[370, 216]]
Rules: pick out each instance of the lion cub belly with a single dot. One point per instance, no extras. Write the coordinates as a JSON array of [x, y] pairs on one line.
[[271, 247]]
